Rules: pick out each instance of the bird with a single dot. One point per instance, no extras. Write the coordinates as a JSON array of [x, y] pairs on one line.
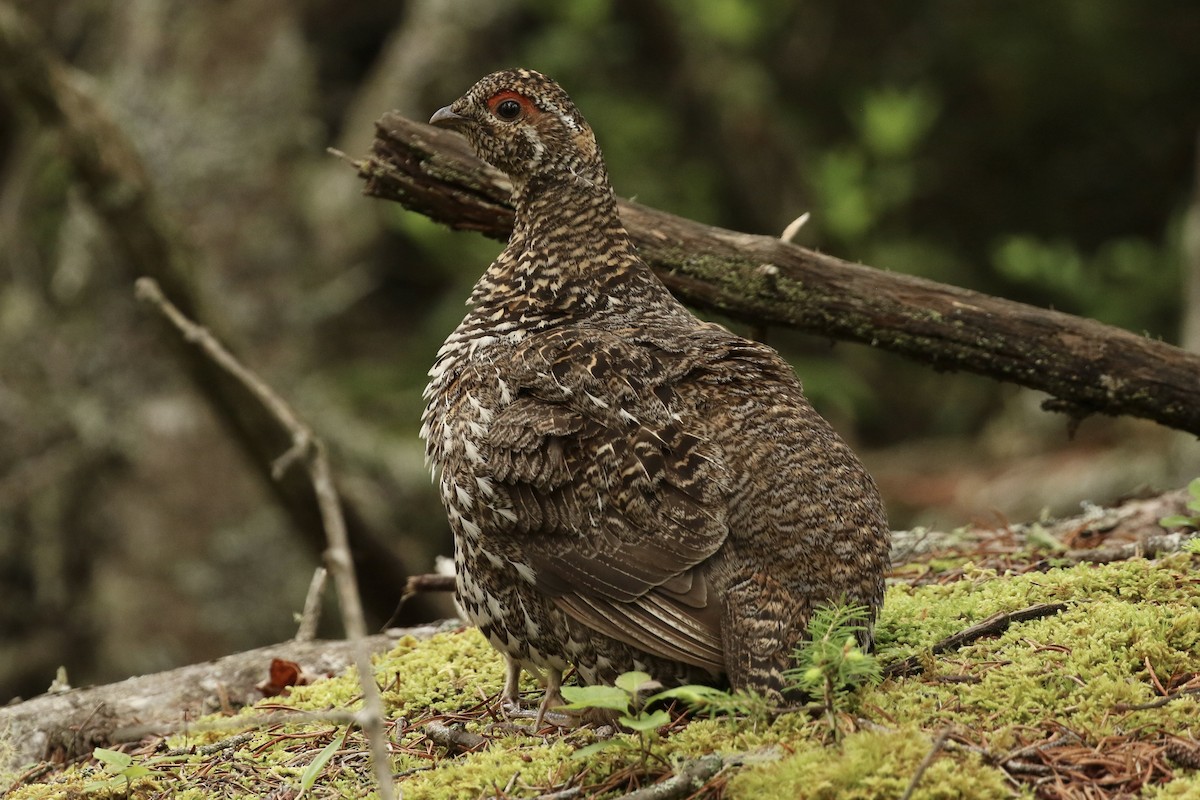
[[628, 487]]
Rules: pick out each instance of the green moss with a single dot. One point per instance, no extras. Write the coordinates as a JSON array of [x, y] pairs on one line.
[[519, 771], [1077, 670], [869, 765], [721, 735], [446, 672], [449, 672], [1186, 786]]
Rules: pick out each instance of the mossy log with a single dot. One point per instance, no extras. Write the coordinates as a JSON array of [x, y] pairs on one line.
[[63, 725]]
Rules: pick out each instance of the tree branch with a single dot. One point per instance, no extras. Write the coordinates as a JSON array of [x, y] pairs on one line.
[[1086, 366]]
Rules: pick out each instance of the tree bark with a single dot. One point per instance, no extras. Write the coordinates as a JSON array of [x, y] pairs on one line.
[[1087, 367]]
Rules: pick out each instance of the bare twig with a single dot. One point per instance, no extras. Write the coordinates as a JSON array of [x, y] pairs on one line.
[[997, 623], [29, 776], [421, 584], [337, 556], [429, 582], [1160, 702], [938, 744], [311, 615], [1150, 547], [1021, 753], [569, 793], [456, 740], [209, 749], [794, 227]]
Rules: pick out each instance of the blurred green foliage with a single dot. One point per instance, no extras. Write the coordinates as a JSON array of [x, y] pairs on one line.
[[1125, 281]]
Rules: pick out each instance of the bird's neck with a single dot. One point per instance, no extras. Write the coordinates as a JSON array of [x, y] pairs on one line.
[[575, 206], [569, 256]]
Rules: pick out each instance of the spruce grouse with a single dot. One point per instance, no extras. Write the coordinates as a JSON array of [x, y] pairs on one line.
[[628, 487]]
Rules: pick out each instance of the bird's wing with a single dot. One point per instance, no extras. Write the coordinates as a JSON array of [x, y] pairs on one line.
[[611, 502]]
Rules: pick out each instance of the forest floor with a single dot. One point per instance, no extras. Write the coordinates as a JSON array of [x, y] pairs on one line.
[[1098, 699]]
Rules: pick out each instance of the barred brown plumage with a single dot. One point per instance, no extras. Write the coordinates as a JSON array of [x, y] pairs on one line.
[[629, 487]]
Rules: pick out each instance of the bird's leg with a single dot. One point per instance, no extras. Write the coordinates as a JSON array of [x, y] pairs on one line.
[[512, 680], [510, 700], [552, 699]]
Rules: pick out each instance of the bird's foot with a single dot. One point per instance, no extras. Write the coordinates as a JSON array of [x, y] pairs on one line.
[[541, 716], [510, 699], [554, 699]]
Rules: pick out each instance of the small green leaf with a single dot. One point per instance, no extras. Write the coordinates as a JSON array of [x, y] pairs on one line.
[[1175, 521], [115, 762], [579, 697], [646, 722], [132, 773], [1194, 490], [632, 681], [692, 695], [314, 769]]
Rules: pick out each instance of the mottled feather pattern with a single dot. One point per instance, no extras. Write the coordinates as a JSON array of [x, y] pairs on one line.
[[628, 487]]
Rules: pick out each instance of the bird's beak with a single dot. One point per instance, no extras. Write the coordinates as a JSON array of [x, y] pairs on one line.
[[445, 118]]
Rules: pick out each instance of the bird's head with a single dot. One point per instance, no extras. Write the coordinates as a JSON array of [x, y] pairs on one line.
[[525, 125]]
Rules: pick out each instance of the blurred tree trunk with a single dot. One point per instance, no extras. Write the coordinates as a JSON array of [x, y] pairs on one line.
[[121, 192], [1190, 334], [111, 176]]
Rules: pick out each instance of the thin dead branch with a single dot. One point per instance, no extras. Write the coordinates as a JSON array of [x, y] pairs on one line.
[[938, 744], [429, 582], [689, 778], [1160, 702], [309, 449], [311, 616], [995, 624], [456, 740]]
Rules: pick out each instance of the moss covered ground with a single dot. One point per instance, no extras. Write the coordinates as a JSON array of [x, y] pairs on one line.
[[1068, 705]]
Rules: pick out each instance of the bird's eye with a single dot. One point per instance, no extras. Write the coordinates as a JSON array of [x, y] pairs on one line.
[[508, 109]]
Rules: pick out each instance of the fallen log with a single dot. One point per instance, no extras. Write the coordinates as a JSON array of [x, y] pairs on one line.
[[61, 725], [1087, 367]]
